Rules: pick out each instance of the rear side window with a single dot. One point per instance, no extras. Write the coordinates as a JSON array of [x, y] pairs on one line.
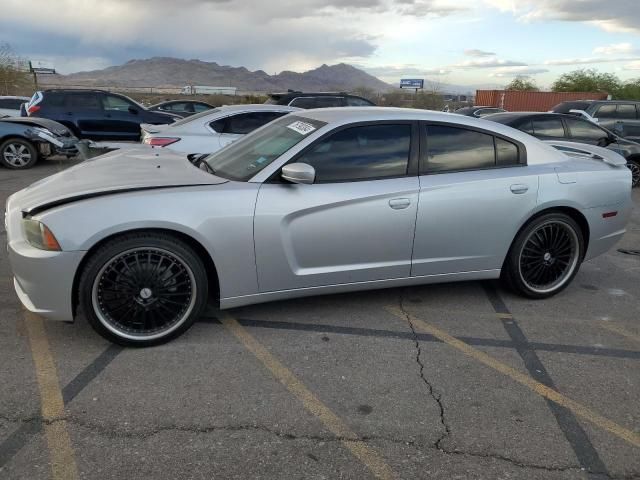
[[113, 102], [11, 103], [526, 127], [548, 127], [626, 111], [304, 102], [244, 123], [452, 149], [326, 102], [361, 153], [82, 100], [358, 102], [200, 107]]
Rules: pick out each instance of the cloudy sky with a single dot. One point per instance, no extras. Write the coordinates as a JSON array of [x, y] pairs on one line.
[[456, 41]]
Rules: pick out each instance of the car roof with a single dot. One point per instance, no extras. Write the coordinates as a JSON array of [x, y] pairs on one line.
[[613, 102], [257, 107], [13, 97]]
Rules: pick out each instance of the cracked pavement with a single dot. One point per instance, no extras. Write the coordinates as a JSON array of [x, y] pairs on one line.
[[204, 407]]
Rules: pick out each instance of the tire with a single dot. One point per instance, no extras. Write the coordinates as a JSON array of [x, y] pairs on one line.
[[545, 256], [143, 289], [18, 154], [634, 166]]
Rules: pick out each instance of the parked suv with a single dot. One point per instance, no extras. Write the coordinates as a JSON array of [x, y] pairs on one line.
[[554, 126], [618, 115], [95, 114], [318, 99]]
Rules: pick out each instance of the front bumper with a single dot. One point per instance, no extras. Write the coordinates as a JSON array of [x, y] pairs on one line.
[[44, 280]]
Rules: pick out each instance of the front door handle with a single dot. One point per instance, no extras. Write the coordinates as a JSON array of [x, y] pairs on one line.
[[519, 188], [399, 203]]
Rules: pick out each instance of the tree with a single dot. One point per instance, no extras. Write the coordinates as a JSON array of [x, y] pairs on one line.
[[630, 90], [587, 80], [13, 79], [522, 84]]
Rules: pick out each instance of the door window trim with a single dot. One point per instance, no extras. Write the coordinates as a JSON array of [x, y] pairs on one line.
[[424, 148], [412, 164]]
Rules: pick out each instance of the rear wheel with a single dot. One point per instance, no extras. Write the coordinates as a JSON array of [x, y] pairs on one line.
[[634, 166], [545, 256], [143, 289], [17, 153]]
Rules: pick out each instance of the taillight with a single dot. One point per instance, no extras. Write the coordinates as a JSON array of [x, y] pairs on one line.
[[32, 109], [160, 141]]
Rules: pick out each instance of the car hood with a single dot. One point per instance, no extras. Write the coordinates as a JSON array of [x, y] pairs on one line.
[[118, 171]]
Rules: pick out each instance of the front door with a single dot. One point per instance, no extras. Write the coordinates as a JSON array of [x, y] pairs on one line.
[[354, 224]]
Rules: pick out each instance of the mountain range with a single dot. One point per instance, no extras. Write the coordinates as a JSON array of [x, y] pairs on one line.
[[175, 72]]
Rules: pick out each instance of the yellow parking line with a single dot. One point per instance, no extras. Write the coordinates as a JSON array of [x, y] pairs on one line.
[[620, 330], [63, 463], [367, 455], [578, 409]]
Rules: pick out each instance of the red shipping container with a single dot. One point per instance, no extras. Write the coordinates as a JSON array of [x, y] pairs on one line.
[[518, 101]]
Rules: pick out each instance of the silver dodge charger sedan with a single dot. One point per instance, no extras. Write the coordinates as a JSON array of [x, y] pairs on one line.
[[316, 202]]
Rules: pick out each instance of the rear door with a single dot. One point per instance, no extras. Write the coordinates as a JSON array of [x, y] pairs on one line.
[[354, 224], [583, 131], [475, 190], [85, 111]]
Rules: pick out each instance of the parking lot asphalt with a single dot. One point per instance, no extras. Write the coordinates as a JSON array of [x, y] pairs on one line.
[[455, 381]]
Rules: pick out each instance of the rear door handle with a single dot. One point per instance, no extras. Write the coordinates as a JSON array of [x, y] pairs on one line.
[[519, 188], [399, 203]]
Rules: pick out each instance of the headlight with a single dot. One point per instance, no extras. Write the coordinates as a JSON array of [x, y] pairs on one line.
[[38, 235]]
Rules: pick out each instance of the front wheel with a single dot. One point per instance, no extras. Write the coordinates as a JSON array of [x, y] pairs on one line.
[[545, 256], [18, 154], [634, 166], [143, 289]]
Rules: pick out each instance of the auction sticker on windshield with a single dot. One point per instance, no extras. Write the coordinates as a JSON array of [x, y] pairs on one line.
[[303, 128]]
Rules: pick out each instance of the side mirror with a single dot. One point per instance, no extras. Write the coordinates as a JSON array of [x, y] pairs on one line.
[[618, 128], [299, 173], [133, 110]]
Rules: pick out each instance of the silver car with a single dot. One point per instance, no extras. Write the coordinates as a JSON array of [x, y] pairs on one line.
[[317, 202]]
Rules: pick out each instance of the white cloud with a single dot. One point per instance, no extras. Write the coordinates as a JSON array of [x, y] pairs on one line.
[[517, 72], [587, 60], [489, 63], [616, 49], [474, 52]]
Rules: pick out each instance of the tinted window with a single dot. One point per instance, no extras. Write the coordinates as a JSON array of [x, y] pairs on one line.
[[54, 99], [451, 148], [506, 153], [175, 107], [326, 102], [606, 111], [219, 125], [526, 126], [548, 127], [244, 123], [358, 102], [304, 102], [200, 107], [585, 130], [111, 102], [626, 111], [83, 100], [361, 153], [11, 103]]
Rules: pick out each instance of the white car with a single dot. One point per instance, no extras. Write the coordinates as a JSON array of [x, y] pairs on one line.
[[10, 106], [209, 131]]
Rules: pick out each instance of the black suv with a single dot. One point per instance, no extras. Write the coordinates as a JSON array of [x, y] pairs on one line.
[[621, 116], [555, 126], [318, 100], [95, 114]]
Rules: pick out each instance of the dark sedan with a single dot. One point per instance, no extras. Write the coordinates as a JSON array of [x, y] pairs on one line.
[[556, 126], [183, 108]]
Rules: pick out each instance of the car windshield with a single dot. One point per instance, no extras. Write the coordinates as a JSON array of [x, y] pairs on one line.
[[245, 158], [194, 117]]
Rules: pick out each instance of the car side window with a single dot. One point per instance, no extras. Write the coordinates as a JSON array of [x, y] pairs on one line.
[[366, 152], [357, 102], [548, 127], [198, 107], [506, 153], [453, 149], [244, 123], [304, 102], [584, 130], [175, 107], [626, 111], [112, 102], [83, 100], [606, 111], [11, 103], [526, 127], [327, 102], [219, 125]]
